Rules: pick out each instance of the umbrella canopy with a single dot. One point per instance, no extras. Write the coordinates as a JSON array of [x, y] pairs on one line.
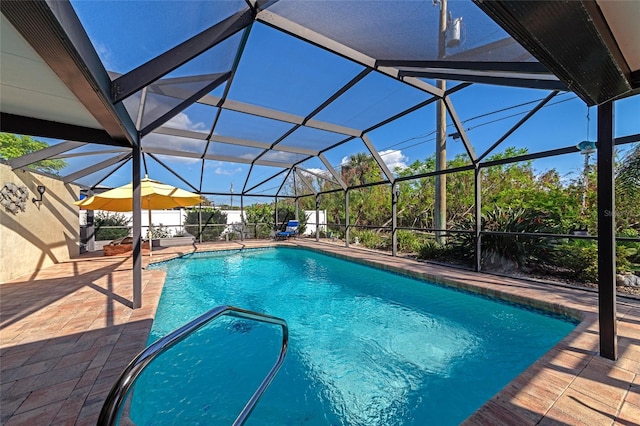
[[154, 196]]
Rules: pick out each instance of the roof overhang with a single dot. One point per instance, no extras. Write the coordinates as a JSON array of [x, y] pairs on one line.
[[591, 46], [44, 44]]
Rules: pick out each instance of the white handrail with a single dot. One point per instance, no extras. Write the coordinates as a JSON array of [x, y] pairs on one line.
[[113, 404]]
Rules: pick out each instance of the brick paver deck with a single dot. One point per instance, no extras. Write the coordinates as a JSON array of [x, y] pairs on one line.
[[68, 331]]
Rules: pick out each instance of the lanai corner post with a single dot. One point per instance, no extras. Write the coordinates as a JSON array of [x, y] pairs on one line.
[[606, 233]]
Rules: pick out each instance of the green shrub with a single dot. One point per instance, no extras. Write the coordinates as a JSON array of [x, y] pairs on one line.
[[630, 250], [259, 230], [431, 250], [160, 231], [624, 256], [369, 238], [580, 257], [210, 218], [103, 222], [408, 241], [506, 251]]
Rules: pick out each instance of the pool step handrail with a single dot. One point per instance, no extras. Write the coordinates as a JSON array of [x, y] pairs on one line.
[[113, 405]]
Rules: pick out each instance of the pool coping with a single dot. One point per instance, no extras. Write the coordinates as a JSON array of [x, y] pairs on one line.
[[69, 330]]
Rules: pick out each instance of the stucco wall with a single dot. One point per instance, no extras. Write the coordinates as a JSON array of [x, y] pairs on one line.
[[45, 233]]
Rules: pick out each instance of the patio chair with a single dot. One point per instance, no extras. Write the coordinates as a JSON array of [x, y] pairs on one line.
[[290, 231]]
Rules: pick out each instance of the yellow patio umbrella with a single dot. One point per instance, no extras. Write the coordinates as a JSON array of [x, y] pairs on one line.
[[154, 195]]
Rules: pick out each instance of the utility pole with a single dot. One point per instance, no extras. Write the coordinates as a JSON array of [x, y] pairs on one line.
[[231, 191], [441, 133]]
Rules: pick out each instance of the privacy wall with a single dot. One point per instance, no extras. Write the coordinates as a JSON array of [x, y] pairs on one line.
[[34, 235]]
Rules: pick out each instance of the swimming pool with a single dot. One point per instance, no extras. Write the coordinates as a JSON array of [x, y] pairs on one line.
[[367, 347]]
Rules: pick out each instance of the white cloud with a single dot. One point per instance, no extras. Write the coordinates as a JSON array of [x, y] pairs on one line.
[[174, 143], [320, 172], [280, 156], [394, 159], [226, 172], [175, 159], [183, 122]]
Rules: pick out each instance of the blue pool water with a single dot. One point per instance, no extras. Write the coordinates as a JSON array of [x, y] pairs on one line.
[[367, 347]]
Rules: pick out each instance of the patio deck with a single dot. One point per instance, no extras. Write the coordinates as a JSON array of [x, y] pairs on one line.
[[68, 331]]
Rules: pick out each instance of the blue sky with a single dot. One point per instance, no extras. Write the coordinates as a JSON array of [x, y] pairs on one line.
[[286, 74]]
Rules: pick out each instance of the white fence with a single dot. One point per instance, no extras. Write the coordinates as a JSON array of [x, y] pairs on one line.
[[173, 220]]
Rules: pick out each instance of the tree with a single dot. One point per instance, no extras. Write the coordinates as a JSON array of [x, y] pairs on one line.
[[628, 173], [416, 201], [367, 206], [14, 146], [259, 213], [628, 191], [210, 218]]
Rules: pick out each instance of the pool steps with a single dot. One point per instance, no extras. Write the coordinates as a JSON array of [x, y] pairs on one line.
[[113, 405]]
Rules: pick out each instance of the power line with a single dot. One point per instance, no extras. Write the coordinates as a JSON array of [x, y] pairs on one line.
[[482, 124], [421, 138]]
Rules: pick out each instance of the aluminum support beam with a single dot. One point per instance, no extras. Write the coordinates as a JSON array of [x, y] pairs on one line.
[[303, 33], [606, 234], [466, 65], [273, 114], [96, 167], [264, 181], [170, 152], [395, 194], [103, 178], [184, 104], [10, 123], [173, 172], [43, 154], [262, 145], [460, 129], [185, 154], [306, 182], [318, 175], [242, 222], [317, 217], [246, 180], [85, 154], [362, 74], [275, 206], [295, 29], [500, 79], [284, 181], [230, 140], [137, 227], [200, 223], [272, 164], [401, 114], [225, 93], [127, 84], [518, 124], [333, 171], [478, 217], [346, 218], [376, 156]]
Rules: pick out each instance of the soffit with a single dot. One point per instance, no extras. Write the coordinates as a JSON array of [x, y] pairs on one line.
[[30, 88]]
